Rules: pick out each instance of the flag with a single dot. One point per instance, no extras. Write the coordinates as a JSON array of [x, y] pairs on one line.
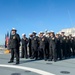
[[6, 39]]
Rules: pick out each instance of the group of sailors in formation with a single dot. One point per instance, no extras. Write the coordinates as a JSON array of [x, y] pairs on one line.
[[49, 46]]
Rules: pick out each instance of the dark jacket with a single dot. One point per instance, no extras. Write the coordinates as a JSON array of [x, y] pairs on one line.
[[63, 42], [42, 42], [14, 41], [24, 42], [34, 42]]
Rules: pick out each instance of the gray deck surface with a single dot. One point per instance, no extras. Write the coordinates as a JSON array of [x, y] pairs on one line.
[[48, 66]]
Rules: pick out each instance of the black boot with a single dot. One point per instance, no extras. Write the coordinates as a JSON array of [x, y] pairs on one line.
[[10, 62], [17, 63]]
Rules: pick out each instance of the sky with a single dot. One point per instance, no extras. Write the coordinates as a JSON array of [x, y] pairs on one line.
[[35, 15]]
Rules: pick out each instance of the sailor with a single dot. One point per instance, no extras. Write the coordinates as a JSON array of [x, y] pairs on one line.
[[73, 45], [58, 46], [68, 46], [24, 46], [63, 44], [42, 46], [52, 47], [14, 45], [47, 44], [29, 44], [34, 46]]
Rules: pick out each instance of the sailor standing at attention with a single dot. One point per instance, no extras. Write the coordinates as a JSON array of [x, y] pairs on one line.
[[14, 46]]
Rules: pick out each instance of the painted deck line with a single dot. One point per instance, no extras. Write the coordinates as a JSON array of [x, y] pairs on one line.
[[27, 68]]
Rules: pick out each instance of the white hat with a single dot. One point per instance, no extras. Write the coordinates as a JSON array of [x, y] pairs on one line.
[[30, 33], [41, 32], [34, 32], [48, 31], [13, 29], [51, 31], [23, 34]]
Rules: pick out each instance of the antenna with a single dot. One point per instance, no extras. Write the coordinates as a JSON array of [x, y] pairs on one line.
[[70, 18]]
